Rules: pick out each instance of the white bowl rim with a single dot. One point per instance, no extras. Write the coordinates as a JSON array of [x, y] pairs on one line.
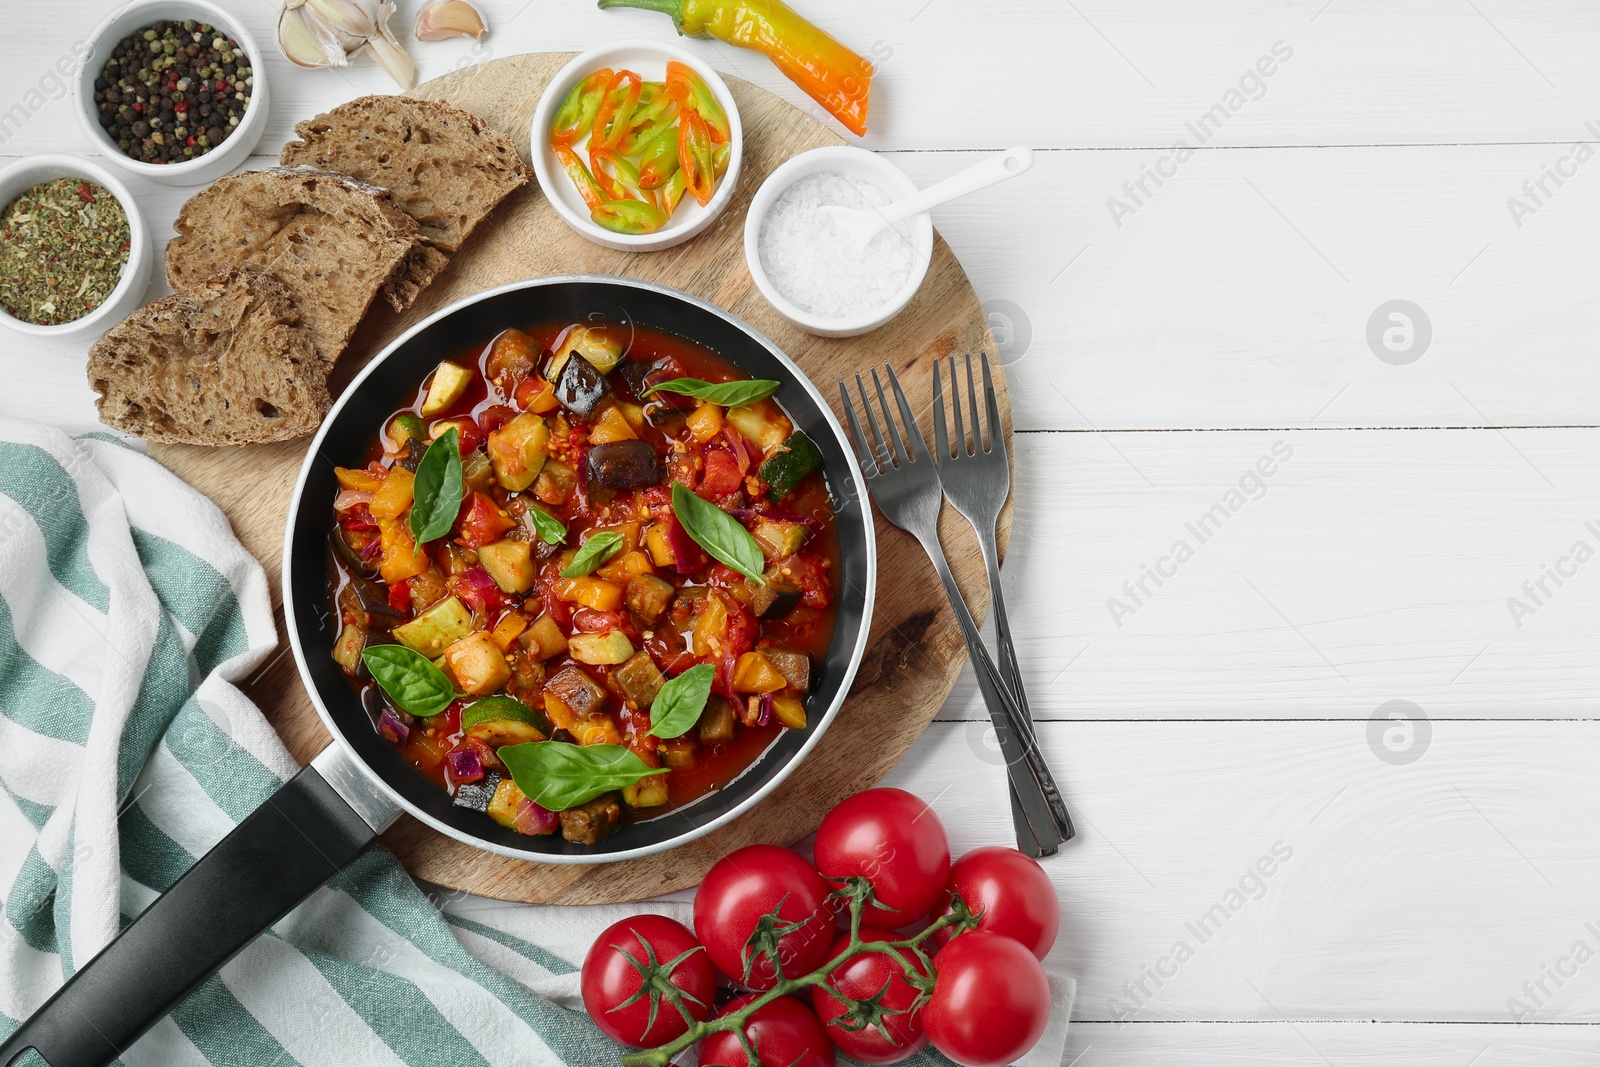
[[784, 176], [555, 92], [69, 166], [98, 39]]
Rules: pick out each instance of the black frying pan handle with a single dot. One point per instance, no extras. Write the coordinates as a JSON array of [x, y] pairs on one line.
[[299, 838]]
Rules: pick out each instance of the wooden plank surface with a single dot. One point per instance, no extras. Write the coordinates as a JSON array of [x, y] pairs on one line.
[[1391, 141]]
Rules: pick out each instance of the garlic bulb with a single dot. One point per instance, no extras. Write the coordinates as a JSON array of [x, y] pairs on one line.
[[326, 33], [441, 19]]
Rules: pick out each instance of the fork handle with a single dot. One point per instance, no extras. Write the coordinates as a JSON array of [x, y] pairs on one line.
[[1011, 673], [1030, 778]]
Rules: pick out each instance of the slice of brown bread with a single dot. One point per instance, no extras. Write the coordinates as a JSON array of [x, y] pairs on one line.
[[446, 167], [334, 240], [229, 362]]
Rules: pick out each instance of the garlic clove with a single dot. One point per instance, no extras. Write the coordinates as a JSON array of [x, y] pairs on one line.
[[387, 50], [307, 41], [442, 19], [353, 17]]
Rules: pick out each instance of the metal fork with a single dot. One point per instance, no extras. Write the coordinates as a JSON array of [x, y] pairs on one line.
[[906, 487], [977, 481]]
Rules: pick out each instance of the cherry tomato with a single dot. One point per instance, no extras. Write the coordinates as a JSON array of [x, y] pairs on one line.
[[990, 1000], [748, 884], [897, 843], [863, 977], [785, 1032], [1013, 893], [610, 979], [493, 417]]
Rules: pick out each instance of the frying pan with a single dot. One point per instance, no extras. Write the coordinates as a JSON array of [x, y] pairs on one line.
[[323, 817]]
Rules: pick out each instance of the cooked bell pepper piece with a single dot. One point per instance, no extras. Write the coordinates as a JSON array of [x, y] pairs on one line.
[[691, 91], [830, 73], [575, 116], [659, 160], [616, 108], [694, 156], [588, 188], [629, 216], [618, 179]]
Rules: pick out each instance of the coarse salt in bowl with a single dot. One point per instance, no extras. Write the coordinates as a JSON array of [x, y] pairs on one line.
[[809, 272]]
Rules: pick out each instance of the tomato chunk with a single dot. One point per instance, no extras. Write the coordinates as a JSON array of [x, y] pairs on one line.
[[482, 521]]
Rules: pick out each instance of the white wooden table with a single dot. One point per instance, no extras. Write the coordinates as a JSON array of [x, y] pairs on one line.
[[1434, 880]]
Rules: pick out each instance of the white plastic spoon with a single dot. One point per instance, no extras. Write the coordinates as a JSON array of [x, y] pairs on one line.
[[862, 226]]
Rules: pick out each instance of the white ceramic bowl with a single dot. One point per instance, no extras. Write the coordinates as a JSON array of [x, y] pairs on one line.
[[214, 164], [649, 60], [858, 163], [129, 293]]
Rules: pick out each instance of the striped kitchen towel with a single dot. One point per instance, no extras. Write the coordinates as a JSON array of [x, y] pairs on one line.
[[128, 613]]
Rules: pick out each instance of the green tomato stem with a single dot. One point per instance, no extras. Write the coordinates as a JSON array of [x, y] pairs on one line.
[[662, 1055]]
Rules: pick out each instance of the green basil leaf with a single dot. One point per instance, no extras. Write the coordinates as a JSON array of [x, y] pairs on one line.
[[552, 531], [436, 500], [559, 775], [678, 705], [728, 394], [719, 533], [601, 546], [410, 678]]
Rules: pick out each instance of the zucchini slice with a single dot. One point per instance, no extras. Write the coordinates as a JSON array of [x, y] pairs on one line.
[[789, 466]]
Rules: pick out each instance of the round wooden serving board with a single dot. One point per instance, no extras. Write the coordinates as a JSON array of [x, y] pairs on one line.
[[915, 650]]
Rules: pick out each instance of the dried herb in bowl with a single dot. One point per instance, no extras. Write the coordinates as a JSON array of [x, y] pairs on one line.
[[63, 247], [173, 91]]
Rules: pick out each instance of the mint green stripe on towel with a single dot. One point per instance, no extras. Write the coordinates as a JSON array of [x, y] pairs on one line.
[[231, 776], [197, 595], [224, 1031], [543, 957], [398, 1012], [31, 696], [28, 904], [167, 683], [149, 856], [32, 477]]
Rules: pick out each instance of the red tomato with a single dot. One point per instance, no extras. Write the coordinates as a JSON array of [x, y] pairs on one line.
[[493, 417], [466, 429], [610, 978], [1013, 893], [481, 521], [785, 1032], [748, 884], [990, 1000], [589, 620], [897, 843], [721, 476], [862, 978]]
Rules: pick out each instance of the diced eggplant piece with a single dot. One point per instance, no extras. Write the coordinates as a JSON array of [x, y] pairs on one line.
[[518, 450], [475, 796], [368, 604], [347, 650], [504, 803], [577, 690], [677, 752], [411, 453], [648, 596], [624, 465], [580, 386], [509, 563], [716, 722], [591, 823], [774, 598], [350, 557], [633, 373], [512, 357], [639, 679], [543, 639], [794, 666]]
